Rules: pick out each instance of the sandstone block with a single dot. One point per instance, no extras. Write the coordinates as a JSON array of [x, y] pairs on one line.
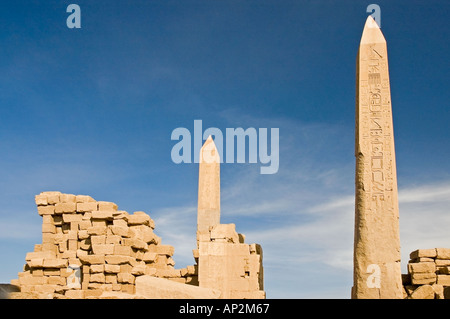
[[61, 208], [161, 249], [442, 262], [86, 206], [112, 269], [422, 267], [46, 210], [67, 198], [111, 279], [35, 262], [443, 253], [56, 280], [429, 253], [97, 278], [52, 197], [120, 222], [106, 206], [118, 259], [75, 294], [138, 270], [149, 257], [103, 249], [97, 230], [443, 280], [139, 218], [98, 240], [423, 292], [126, 278], [122, 250], [226, 232], [92, 293], [96, 268], [159, 288], [113, 239], [41, 200], [423, 278], [128, 288], [102, 214], [48, 228], [119, 230], [84, 199], [55, 263], [67, 218], [40, 254], [92, 259]]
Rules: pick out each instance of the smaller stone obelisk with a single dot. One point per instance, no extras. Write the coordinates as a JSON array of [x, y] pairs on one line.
[[208, 211], [377, 273]]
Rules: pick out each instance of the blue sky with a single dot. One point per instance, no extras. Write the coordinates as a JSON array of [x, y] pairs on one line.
[[91, 111]]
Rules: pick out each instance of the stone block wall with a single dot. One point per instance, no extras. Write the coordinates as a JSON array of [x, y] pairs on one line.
[[90, 246], [428, 274], [228, 264]]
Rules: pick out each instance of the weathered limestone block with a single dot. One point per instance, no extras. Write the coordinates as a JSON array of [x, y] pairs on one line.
[[102, 214], [161, 249], [46, 210], [97, 230], [122, 250], [92, 259], [55, 263], [149, 257], [422, 267], [423, 278], [61, 208], [52, 197], [86, 206], [40, 254], [158, 288], [112, 269], [225, 232], [113, 239], [97, 278], [120, 231], [443, 280], [67, 218], [67, 198], [140, 218], [125, 278], [41, 200], [103, 249], [443, 253], [118, 259], [75, 294], [48, 228], [423, 292], [428, 253], [84, 199], [107, 206]]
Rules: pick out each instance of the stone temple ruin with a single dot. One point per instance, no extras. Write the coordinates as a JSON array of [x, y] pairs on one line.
[[90, 249]]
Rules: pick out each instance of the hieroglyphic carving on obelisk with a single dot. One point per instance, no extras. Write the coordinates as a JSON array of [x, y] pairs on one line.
[[377, 271], [208, 211]]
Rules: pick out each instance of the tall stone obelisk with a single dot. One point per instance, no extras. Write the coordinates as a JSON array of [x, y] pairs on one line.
[[208, 210], [377, 271]]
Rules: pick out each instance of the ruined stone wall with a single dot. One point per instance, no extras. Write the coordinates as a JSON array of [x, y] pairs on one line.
[[428, 274], [89, 247]]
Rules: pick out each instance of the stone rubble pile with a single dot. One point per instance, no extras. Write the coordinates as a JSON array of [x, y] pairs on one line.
[[89, 247], [428, 274]]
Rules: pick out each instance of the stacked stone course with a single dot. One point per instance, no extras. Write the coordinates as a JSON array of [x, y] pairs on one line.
[[428, 274], [89, 247]]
